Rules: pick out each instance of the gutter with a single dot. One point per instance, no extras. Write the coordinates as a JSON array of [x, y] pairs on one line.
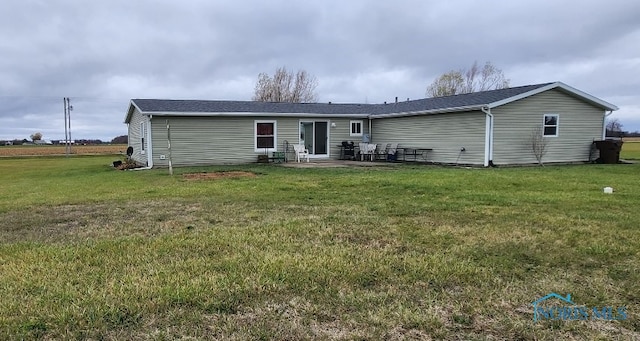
[[252, 114], [604, 123], [425, 112], [488, 137]]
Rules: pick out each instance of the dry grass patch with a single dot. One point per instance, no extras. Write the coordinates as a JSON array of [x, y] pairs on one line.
[[74, 223]]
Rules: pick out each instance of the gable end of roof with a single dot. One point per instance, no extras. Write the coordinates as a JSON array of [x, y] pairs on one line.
[[557, 85]]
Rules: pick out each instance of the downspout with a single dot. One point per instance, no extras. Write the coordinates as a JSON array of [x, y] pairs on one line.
[[488, 137], [604, 123], [370, 124]]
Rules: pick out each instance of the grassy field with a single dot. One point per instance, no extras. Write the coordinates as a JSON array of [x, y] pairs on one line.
[[407, 252], [630, 149], [40, 150]]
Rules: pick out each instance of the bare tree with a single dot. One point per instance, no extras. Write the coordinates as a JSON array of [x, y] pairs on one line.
[[285, 86], [464, 81], [36, 137], [538, 144], [614, 126], [450, 83]]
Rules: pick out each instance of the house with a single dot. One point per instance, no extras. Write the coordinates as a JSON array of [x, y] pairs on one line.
[[482, 128]]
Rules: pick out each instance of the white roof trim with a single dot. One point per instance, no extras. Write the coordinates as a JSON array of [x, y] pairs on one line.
[[585, 96], [428, 112], [248, 114], [132, 105]]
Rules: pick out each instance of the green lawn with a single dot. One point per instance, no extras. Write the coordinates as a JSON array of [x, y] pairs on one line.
[[630, 150], [405, 252]]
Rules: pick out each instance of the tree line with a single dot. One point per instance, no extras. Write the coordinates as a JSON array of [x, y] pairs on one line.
[[36, 138], [300, 87]]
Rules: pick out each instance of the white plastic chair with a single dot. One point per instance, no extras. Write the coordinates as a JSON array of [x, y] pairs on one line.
[[301, 152], [367, 150], [363, 147]]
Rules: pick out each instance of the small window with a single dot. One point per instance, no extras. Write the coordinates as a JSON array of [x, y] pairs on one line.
[[550, 125], [143, 135], [265, 135], [356, 128]]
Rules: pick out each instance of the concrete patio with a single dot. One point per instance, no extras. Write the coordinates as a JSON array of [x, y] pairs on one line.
[[326, 163]]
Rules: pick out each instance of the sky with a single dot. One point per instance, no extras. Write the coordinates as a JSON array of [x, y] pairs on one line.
[[101, 54]]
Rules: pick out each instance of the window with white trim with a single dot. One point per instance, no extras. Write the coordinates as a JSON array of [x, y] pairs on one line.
[[550, 125], [356, 128], [265, 135]]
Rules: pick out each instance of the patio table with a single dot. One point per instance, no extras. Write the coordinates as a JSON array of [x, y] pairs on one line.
[[415, 152]]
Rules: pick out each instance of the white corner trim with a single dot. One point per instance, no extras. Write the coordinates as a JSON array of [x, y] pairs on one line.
[[488, 138]]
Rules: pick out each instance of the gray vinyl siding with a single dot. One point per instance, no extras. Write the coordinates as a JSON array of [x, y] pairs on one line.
[[446, 134], [342, 132], [230, 140], [135, 137], [579, 123], [205, 140]]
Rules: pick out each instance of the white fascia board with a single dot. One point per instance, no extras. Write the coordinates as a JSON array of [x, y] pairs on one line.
[[428, 112], [132, 106], [585, 96], [588, 97], [251, 114]]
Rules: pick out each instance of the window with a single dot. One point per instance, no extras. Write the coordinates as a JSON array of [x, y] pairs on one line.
[[550, 125], [143, 135], [356, 128], [265, 132]]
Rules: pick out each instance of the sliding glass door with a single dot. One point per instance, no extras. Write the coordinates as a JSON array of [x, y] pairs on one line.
[[315, 136]]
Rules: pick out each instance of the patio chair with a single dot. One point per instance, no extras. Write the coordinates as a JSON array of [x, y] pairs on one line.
[[381, 152], [392, 152], [366, 151], [362, 148], [301, 152]]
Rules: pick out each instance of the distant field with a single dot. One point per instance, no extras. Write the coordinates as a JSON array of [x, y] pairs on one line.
[[631, 149], [106, 149]]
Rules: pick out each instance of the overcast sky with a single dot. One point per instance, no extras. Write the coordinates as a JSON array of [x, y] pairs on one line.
[[103, 53]]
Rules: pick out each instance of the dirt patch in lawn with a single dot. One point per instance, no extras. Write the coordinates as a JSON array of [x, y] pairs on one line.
[[218, 175]]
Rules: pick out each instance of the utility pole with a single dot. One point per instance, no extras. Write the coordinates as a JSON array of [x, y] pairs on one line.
[[66, 133], [67, 125], [69, 108]]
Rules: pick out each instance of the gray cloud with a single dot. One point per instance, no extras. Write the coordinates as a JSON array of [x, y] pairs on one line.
[[101, 54]]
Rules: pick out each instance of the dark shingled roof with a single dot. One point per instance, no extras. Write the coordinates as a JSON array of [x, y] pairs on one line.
[[465, 100], [439, 103], [199, 106]]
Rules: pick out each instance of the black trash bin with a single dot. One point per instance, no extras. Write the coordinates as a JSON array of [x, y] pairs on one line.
[[609, 150]]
